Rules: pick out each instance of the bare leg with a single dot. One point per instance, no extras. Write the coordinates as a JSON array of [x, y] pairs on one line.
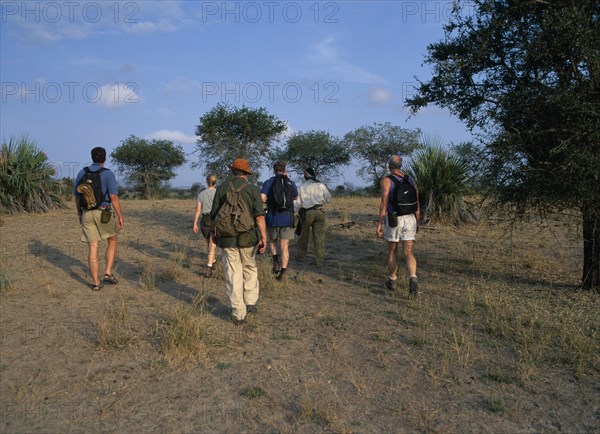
[[93, 262], [284, 252], [411, 261], [212, 251], [391, 260], [111, 253]]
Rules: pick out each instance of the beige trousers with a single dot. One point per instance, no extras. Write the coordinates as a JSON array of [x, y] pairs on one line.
[[241, 278]]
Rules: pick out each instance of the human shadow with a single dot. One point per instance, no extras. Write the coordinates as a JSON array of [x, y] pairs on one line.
[[65, 257], [145, 248], [57, 257], [202, 297]]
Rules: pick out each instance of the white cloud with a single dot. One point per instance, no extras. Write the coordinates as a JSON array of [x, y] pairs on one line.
[[379, 96], [117, 95], [326, 56], [173, 135], [41, 24], [288, 132], [150, 27]]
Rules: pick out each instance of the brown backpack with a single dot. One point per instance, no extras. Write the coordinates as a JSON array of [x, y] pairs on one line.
[[234, 216]]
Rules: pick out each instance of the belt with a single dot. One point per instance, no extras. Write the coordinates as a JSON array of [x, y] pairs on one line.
[[313, 207]]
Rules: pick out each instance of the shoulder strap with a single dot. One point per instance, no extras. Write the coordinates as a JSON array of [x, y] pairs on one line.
[[393, 179], [87, 170], [241, 187]]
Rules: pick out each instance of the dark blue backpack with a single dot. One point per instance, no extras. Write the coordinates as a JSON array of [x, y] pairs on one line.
[[281, 197]]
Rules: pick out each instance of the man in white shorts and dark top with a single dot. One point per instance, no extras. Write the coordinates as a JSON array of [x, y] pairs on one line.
[[280, 216], [399, 214]]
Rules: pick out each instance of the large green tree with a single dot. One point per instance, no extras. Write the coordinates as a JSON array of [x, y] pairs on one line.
[[148, 164], [526, 74], [372, 145], [226, 133], [318, 149]]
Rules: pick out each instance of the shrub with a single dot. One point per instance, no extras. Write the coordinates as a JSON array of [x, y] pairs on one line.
[[442, 179], [25, 178]]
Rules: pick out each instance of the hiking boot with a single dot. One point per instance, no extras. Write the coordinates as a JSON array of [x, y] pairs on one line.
[[390, 284], [280, 275], [251, 308], [413, 287]]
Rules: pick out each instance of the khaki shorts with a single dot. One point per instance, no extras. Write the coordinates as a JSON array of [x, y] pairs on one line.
[[405, 231], [94, 230], [277, 233]]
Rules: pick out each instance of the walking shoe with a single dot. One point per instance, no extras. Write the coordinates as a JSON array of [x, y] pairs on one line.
[[413, 287], [390, 284], [208, 271], [109, 278], [237, 322], [280, 275], [251, 308]]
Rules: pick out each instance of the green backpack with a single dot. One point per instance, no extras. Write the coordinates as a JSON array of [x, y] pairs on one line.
[[234, 216]]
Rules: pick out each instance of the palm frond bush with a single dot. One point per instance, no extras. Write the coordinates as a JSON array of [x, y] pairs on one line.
[[25, 178], [442, 178]]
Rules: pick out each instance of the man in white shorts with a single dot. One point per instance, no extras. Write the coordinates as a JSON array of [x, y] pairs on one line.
[[399, 214]]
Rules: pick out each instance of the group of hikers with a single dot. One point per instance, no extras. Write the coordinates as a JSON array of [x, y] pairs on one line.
[[240, 218]]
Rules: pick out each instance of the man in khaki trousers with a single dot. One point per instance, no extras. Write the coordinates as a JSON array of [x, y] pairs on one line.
[[312, 195], [239, 252]]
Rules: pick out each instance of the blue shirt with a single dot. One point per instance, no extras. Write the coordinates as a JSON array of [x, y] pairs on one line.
[[279, 219], [109, 182]]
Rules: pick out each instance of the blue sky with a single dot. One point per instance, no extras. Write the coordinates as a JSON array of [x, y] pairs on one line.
[[81, 74]]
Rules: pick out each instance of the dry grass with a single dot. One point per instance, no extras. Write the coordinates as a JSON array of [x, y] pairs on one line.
[[147, 276], [182, 335], [115, 331], [499, 327]]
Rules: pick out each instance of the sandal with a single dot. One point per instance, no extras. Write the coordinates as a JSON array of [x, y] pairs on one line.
[[97, 287], [109, 278]]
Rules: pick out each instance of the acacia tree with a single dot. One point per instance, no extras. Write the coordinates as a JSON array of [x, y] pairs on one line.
[[148, 163], [374, 144], [317, 149], [527, 74], [226, 133]]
